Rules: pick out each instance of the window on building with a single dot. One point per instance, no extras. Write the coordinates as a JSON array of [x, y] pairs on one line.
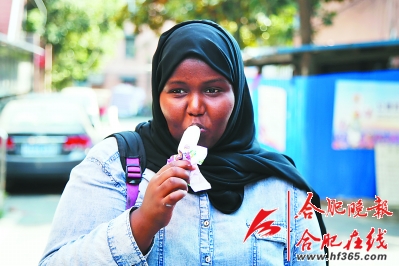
[[130, 49]]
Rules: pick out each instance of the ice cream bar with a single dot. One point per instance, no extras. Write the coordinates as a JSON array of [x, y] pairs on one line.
[[189, 150], [188, 142], [190, 138]]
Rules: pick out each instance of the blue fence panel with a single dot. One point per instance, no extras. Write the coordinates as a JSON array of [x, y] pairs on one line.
[[332, 173]]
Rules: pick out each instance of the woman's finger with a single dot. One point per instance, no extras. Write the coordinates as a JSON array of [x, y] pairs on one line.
[[180, 169], [170, 185], [174, 197]]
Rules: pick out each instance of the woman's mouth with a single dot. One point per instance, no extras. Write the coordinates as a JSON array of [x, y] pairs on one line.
[[202, 128]]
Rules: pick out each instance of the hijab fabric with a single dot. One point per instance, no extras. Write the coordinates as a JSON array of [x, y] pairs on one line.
[[236, 159]]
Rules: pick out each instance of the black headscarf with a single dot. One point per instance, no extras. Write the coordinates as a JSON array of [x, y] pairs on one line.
[[236, 159]]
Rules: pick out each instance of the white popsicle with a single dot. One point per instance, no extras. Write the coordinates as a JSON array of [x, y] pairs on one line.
[[190, 139]]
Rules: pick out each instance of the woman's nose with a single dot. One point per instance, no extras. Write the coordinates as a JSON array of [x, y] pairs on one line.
[[195, 105]]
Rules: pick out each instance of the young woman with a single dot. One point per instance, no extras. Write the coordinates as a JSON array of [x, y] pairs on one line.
[[197, 79]]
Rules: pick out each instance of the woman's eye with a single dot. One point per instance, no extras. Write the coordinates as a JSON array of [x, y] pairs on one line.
[[177, 91], [212, 90]]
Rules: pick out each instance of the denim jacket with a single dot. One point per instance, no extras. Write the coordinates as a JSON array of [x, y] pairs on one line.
[[92, 227]]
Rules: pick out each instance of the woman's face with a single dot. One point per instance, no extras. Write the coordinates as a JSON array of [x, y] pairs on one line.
[[196, 94]]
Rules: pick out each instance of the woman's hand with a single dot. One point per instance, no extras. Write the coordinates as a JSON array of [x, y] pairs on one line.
[[164, 190]]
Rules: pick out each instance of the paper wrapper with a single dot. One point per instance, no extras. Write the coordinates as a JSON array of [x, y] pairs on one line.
[[190, 151]]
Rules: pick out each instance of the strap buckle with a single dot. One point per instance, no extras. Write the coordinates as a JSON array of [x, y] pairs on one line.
[[133, 171]]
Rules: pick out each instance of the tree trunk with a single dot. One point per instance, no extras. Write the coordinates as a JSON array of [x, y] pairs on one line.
[[305, 14]]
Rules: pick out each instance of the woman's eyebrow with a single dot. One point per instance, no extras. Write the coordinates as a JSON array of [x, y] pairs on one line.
[[217, 80], [175, 82], [178, 82]]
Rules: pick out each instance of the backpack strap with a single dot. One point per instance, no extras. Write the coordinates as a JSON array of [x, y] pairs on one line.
[[133, 160]]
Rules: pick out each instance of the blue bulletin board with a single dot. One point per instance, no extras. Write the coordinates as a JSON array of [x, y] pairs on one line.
[[310, 106]]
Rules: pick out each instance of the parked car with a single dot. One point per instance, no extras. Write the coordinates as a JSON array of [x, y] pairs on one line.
[[47, 136]]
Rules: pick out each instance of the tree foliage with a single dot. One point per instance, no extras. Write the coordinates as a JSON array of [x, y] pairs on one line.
[[251, 22], [81, 32]]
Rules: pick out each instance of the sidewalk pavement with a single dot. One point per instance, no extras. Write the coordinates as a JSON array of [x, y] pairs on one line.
[[25, 227]]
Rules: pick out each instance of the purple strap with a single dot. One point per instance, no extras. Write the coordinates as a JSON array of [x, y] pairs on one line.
[[133, 178]]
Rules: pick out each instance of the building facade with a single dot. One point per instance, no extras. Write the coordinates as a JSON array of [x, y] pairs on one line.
[[359, 21]]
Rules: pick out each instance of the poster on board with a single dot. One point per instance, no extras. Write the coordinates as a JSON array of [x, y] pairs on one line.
[[272, 111], [365, 113]]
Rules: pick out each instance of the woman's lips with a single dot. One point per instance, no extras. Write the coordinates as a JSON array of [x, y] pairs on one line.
[[202, 128]]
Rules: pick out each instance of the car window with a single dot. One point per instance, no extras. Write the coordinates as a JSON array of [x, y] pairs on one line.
[[55, 117]]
